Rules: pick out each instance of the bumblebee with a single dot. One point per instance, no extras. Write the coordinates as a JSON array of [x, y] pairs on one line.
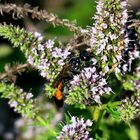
[[71, 68], [58, 84]]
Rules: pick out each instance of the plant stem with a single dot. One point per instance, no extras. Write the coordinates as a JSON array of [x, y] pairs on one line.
[[96, 126], [22, 11], [45, 124], [13, 70]]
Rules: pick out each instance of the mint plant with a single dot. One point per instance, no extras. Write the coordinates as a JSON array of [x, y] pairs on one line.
[[84, 72]]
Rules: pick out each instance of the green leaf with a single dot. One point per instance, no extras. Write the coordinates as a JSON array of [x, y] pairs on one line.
[[128, 86], [67, 118], [113, 112], [119, 77]]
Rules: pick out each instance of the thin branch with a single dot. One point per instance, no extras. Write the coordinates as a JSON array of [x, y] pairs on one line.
[[26, 10], [13, 70]]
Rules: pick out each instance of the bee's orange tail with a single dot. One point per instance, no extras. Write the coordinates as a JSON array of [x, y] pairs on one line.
[[58, 96]]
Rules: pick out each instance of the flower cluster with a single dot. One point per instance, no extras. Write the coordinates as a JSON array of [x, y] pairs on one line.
[[46, 57], [22, 102], [91, 86], [108, 37], [77, 130], [41, 54], [130, 107]]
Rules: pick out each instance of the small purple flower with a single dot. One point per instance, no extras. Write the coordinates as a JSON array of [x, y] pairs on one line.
[[97, 98], [76, 130], [38, 36], [13, 104], [29, 96], [65, 54], [106, 69], [41, 47], [75, 80], [30, 60], [49, 44], [61, 62]]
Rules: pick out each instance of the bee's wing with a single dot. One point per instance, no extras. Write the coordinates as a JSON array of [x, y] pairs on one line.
[[60, 76]]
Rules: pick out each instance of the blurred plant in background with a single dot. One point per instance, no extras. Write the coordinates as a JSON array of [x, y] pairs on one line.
[[84, 73]]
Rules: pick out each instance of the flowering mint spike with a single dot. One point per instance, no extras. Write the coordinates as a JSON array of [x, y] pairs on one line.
[[108, 37], [76, 130], [87, 87], [47, 57], [43, 55], [22, 102]]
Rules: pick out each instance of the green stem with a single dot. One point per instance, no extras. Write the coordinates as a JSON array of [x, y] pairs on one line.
[[45, 124], [117, 103], [96, 126], [102, 112]]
